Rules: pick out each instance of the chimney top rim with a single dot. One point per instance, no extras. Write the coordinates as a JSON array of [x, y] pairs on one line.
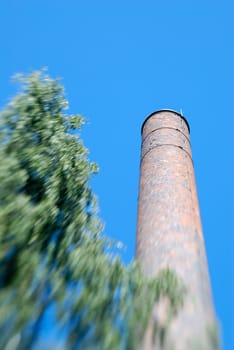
[[165, 110]]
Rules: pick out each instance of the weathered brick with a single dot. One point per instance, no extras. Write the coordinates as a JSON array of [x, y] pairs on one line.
[[169, 232]]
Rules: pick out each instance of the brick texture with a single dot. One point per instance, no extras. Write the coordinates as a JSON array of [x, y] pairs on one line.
[[169, 232]]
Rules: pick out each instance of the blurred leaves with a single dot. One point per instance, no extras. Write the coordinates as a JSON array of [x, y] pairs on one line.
[[52, 251]]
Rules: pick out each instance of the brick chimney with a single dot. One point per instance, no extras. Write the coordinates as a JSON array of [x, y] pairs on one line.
[[169, 232]]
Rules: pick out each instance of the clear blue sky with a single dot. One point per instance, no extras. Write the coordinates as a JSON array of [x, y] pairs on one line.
[[120, 60]]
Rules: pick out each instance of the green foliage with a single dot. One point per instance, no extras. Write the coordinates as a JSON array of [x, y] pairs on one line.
[[213, 334], [52, 251]]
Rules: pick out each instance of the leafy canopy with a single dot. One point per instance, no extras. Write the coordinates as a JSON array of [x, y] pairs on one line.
[[52, 251]]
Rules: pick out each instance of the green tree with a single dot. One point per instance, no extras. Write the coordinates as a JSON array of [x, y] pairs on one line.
[[52, 251]]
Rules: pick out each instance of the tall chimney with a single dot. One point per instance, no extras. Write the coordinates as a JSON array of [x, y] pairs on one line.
[[169, 232]]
